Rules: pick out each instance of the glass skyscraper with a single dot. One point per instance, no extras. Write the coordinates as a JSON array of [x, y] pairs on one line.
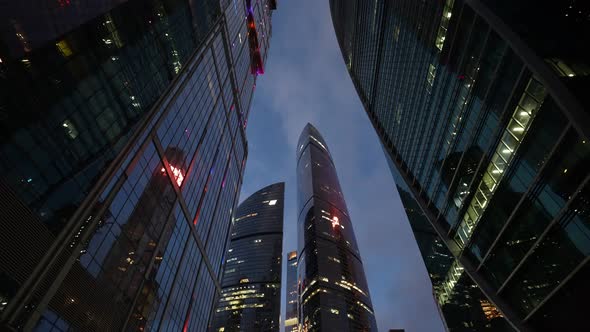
[[121, 156], [480, 107], [251, 285], [333, 292], [291, 291]]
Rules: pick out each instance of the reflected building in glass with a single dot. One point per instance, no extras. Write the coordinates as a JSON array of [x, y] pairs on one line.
[[481, 108], [251, 286], [333, 292], [291, 291], [122, 148]]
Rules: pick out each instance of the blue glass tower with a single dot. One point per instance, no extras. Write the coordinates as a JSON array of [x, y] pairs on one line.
[[251, 285], [122, 151], [481, 107], [333, 292]]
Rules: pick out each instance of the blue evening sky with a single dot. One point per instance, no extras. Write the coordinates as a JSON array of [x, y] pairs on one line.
[[306, 80]]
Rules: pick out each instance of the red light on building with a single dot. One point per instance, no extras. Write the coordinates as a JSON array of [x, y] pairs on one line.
[[256, 65], [178, 176], [335, 222]]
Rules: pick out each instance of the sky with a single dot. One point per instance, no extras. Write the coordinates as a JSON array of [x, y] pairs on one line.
[[305, 81]]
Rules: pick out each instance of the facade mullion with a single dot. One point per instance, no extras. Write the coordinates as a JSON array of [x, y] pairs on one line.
[[473, 134], [149, 267], [487, 155], [191, 228], [562, 284], [525, 196], [541, 237]]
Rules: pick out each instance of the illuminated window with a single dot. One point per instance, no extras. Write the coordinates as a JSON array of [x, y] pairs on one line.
[[569, 69], [448, 285], [522, 117], [334, 259], [291, 321], [431, 74], [489, 310], [70, 129], [365, 307], [396, 33], [335, 222], [64, 48], [334, 311], [246, 216], [272, 202], [444, 24], [178, 176]]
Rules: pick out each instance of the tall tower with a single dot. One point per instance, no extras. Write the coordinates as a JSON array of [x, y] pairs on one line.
[[483, 112], [251, 285], [333, 292], [292, 303], [122, 149]]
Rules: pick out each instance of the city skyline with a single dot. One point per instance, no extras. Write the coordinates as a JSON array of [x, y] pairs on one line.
[[335, 165], [116, 49], [306, 81]]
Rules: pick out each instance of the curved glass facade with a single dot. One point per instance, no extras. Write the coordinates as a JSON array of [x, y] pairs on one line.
[[479, 106], [122, 148], [251, 286], [333, 292]]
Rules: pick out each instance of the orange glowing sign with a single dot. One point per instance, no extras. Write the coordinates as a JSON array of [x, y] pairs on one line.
[[178, 176]]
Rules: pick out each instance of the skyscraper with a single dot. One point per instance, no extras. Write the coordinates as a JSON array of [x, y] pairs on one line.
[[333, 292], [291, 290], [251, 285], [121, 155], [480, 107]]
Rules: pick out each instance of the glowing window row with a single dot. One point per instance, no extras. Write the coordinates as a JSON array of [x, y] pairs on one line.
[[524, 113], [450, 281], [240, 307], [246, 216], [444, 24]]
